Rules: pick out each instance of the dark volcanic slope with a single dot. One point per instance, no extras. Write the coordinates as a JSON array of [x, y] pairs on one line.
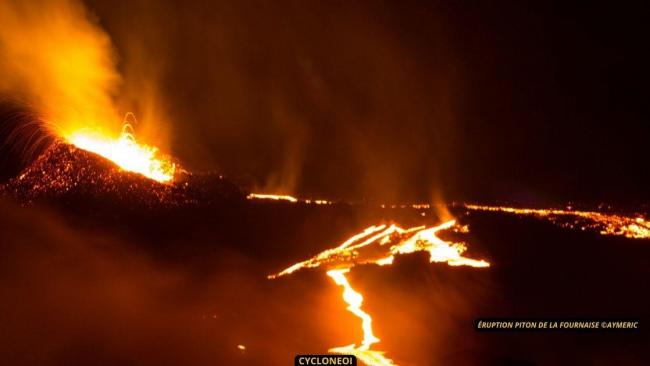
[[70, 176]]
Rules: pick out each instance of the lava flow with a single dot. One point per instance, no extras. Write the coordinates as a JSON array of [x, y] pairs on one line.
[[354, 300], [284, 197], [606, 224], [127, 153], [275, 197], [379, 245]]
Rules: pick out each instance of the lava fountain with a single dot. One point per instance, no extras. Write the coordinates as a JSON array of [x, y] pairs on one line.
[[62, 64], [126, 152]]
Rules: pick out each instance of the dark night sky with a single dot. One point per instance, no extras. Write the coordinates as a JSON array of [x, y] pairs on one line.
[[520, 101]]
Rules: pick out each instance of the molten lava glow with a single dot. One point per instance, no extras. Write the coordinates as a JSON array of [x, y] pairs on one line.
[[276, 197], [127, 153], [284, 197], [354, 300], [606, 224], [379, 245]]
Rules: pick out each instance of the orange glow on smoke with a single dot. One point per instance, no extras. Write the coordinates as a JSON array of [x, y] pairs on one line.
[[57, 57], [126, 152], [379, 245]]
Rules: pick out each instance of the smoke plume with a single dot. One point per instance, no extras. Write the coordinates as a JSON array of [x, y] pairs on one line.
[[57, 59]]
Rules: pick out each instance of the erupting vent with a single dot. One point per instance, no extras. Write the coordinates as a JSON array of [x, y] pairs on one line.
[[127, 153], [74, 177]]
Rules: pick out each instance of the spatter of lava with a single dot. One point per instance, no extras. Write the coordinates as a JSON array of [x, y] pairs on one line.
[[379, 245], [127, 153], [76, 178], [605, 224]]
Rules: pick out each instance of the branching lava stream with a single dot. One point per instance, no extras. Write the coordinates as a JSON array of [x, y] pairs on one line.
[[379, 245]]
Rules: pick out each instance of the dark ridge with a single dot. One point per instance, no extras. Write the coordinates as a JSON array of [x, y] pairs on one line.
[[65, 175]]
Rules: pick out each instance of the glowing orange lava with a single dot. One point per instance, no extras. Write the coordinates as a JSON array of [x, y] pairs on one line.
[[275, 197], [606, 224], [379, 245], [284, 197], [126, 152], [354, 300]]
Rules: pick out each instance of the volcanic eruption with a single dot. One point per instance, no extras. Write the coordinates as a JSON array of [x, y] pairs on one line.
[[244, 272], [127, 153]]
